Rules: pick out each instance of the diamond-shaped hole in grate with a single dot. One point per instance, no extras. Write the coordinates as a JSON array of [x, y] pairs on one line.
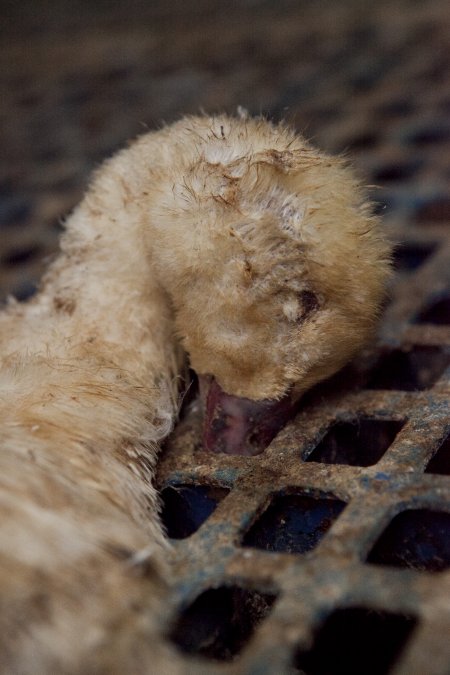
[[409, 370], [419, 539], [293, 523], [437, 313], [360, 442], [440, 462], [186, 507], [220, 621], [408, 257], [356, 640], [396, 171], [430, 135], [360, 141], [21, 256]]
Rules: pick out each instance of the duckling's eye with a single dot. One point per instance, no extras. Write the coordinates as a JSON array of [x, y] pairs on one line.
[[298, 307], [309, 303]]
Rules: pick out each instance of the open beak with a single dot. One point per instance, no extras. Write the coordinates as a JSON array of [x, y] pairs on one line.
[[240, 426]]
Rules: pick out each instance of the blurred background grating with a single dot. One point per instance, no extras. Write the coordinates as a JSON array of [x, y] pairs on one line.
[[329, 552]]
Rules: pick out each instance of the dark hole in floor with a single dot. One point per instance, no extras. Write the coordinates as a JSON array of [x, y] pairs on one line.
[[362, 141], [360, 442], [429, 135], [78, 97], [350, 378], [396, 172], [440, 462], [396, 108], [435, 210], [220, 622], [14, 211], [362, 35], [20, 256], [408, 257], [116, 73], [364, 81], [186, 507], [419, 539], [409, 370], [293, 523], [437, 313], [354, 641]]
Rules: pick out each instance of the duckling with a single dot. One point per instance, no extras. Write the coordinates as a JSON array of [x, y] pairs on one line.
[[231, 242]]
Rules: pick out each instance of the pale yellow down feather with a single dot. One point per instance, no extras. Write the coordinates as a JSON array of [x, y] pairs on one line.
[[207, 236]]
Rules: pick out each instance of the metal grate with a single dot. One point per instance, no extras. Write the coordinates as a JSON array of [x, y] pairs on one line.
[[329, 552], [330, 531]]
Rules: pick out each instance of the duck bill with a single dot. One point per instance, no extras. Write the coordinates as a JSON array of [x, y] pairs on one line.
[[240, 426]]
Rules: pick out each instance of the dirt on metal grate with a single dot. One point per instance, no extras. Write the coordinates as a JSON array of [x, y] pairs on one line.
[[328, 553]]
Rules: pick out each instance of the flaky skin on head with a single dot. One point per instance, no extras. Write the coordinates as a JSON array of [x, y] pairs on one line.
[[229, 241]]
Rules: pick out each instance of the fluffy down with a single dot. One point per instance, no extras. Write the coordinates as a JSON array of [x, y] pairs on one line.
[[232, 241]]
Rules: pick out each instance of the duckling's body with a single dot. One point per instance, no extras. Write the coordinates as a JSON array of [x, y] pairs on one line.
[[231, 240]]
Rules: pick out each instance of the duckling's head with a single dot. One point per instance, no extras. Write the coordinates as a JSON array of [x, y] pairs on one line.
[[274, 264]]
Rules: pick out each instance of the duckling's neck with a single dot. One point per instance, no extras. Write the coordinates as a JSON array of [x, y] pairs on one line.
[[101, 290], [100, 309]]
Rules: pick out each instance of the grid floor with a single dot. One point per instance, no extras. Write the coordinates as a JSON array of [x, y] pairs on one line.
[[328, 552]]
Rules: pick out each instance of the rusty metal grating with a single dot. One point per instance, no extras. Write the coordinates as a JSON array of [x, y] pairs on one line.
[[329, 552], [328, 533]]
